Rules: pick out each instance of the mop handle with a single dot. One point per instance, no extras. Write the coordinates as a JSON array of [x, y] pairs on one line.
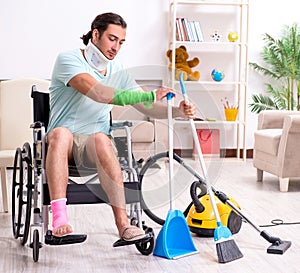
[[171, 170], [200, 155]]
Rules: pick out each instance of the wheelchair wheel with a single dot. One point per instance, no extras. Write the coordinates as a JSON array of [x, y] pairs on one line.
[[154, 183], [22, 193], [36, 245]]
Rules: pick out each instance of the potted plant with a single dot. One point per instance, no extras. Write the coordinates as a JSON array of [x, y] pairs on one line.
[[282, 65]]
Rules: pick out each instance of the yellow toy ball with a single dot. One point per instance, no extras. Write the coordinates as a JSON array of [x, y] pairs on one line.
[[233, 36]]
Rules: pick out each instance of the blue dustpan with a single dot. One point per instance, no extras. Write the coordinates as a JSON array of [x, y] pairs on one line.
[[174, 239]]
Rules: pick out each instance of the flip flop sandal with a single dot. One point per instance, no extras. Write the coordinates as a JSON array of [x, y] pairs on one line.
[[132, 233]]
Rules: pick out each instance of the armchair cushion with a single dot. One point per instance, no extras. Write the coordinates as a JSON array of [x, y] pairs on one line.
[[267, 140], [142, 131]]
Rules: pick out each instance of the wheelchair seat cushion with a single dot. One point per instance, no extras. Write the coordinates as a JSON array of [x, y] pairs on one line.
[[75, 171]]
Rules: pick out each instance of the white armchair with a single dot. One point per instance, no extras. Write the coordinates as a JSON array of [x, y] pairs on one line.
[[277, 145], [16, 115]]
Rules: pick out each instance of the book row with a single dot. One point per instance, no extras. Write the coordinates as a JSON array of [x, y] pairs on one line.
[[187, 30]]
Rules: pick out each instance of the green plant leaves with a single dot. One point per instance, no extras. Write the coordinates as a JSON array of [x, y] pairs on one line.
[[262, 102], [282, 63]]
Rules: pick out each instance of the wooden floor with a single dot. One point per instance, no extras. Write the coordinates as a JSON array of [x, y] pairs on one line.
[[261, 202]]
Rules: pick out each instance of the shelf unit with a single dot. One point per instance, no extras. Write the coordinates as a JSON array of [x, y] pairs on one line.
[[223, 16]]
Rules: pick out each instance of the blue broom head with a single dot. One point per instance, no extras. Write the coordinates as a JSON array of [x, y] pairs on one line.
[[222, 232]]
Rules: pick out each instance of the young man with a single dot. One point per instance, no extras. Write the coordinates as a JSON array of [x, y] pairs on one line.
[[79, 128]]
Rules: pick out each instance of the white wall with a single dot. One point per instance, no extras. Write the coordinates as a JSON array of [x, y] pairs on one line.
[[33, 32]]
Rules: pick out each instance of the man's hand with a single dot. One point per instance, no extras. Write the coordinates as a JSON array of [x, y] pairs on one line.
[[188, 109], [162, 92]]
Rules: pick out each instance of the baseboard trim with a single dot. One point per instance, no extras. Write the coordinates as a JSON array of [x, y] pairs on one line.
[[227, 153]]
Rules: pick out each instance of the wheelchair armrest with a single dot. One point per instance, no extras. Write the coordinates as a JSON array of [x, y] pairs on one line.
[[121, 125]]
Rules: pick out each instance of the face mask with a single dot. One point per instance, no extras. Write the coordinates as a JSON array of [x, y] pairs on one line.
[[95, 58]]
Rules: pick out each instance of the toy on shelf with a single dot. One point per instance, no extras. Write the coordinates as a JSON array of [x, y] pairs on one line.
[[217, 75], [182, 64], [232, 36], [216, 36]]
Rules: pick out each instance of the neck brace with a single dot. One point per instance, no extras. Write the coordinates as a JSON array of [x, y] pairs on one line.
[[95, 57]]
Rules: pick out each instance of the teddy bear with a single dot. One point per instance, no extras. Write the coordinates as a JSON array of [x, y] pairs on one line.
[[182, 64]]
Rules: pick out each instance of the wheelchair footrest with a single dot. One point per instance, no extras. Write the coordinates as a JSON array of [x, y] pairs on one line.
[[122, 242], [64, 240]]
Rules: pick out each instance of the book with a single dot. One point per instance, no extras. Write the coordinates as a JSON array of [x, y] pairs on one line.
[[199, 31], [178, 32], [187, 34], [194, 31], [182, 30], [179, 29]]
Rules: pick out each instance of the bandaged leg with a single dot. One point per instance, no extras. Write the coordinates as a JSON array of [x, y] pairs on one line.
[[60, 221]]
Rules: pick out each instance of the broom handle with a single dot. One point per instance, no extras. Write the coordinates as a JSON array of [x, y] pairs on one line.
[[203, 167], [200, 156], [171, 160]]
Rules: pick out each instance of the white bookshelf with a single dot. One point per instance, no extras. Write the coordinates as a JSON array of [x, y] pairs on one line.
[[231, 57]]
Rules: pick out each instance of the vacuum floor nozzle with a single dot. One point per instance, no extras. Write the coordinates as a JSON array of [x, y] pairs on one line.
[[279, 247]]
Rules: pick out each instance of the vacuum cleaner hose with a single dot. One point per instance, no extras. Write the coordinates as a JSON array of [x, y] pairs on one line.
[[193, 190]]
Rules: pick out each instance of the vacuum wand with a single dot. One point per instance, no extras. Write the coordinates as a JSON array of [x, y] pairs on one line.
[[278, 246]]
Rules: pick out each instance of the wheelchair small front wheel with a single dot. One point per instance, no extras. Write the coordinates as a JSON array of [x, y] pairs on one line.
[[146, 248], [22, 193]]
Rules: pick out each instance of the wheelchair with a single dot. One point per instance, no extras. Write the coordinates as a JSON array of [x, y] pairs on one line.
[[30, 194]]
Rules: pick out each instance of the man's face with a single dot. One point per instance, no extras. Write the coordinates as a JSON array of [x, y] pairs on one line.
[[111, 40]]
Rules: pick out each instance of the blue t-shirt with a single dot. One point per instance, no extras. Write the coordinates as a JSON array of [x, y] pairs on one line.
[[75, 111]]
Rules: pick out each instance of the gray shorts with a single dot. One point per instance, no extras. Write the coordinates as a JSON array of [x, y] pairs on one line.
[[79, 151]]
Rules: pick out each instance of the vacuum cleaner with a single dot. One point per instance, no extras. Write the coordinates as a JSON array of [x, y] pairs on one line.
[[201, 219], [200, 216]]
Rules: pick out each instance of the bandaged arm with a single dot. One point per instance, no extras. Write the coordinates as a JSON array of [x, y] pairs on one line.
[[89, 86], [124, 97]]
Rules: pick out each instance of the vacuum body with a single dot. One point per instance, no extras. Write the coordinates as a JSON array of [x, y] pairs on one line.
[[203, 221]]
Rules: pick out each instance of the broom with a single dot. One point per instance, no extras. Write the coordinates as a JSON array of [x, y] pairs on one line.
[[227, 249]]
